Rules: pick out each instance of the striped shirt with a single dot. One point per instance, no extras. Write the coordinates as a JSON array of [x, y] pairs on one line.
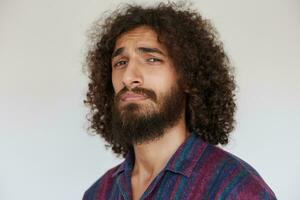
[[197, 170]]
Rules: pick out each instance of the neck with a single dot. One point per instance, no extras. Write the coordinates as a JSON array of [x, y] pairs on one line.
[[151, 158]]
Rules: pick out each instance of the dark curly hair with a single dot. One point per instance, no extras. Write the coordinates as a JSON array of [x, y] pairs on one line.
[[197, 54]]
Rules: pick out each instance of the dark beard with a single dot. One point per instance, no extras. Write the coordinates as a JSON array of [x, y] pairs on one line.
[[135, 124]]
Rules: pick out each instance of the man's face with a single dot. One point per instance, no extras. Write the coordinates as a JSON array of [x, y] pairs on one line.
[[148, 97]]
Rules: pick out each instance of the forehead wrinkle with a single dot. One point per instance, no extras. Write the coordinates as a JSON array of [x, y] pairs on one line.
[[141, 37]]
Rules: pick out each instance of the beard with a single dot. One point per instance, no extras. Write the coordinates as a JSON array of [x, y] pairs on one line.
[[143, 122]]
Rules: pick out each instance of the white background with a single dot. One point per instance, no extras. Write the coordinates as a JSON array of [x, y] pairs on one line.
[[45, 150]]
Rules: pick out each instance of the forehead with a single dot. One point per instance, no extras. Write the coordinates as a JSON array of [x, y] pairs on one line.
[[140, 36]]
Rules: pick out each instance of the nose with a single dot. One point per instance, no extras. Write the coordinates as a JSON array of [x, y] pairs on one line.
[[132, 76]]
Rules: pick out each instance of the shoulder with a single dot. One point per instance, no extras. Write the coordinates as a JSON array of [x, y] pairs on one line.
[[237, 179], [104, 183]]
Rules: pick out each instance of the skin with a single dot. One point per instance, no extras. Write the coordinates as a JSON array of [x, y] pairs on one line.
[[150, 70]]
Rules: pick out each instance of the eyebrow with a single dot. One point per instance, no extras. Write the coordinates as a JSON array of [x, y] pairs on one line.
[[140, 49]]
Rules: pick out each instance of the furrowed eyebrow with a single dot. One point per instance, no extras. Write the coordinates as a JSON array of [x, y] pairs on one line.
[[150, 50], [117, 52], [140, 49]]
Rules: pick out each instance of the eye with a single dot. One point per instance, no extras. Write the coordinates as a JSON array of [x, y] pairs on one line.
[[154, 60], [120, 63]]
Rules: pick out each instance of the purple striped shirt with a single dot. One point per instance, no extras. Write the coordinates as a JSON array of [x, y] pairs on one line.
[[197, 170]]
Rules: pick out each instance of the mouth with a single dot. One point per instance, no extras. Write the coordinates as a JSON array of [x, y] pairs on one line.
[[129, 96]]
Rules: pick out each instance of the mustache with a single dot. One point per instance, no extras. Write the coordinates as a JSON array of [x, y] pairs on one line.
[[137, 90]]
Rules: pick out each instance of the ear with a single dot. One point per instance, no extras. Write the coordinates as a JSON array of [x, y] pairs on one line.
[[186, 88], [184, 85]]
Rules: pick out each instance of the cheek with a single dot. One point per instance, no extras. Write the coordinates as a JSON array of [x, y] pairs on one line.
[[116, 82], [163, 82]]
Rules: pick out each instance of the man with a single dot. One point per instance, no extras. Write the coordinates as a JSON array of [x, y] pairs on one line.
[[161, 94]]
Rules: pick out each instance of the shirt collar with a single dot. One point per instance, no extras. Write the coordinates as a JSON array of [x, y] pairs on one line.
[[182, 161]]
